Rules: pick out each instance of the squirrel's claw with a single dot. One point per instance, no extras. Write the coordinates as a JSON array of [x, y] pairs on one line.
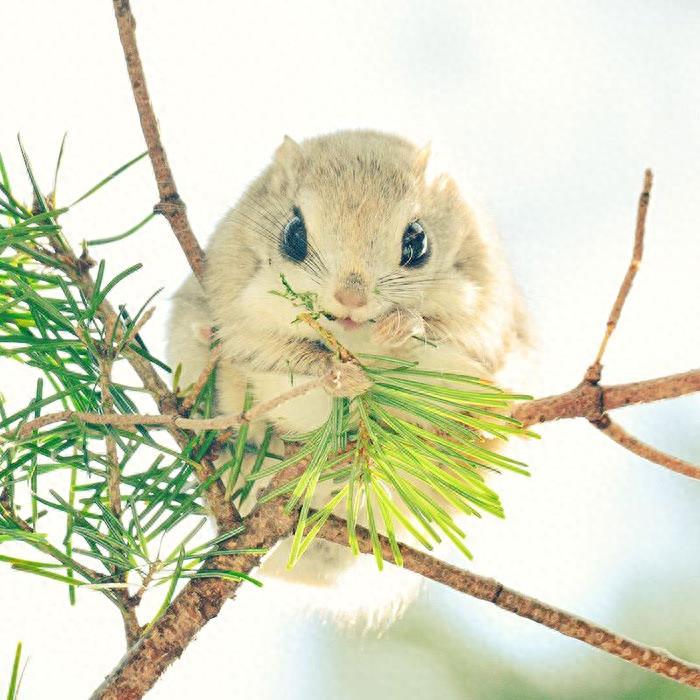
[[395, 328], [346, 379]]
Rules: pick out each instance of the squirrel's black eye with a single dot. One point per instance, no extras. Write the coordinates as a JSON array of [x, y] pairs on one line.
[[414, 247], [294, 244]]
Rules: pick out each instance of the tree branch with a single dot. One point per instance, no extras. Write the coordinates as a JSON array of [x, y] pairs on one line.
[[592, 400], [619, 435], [202, 599], [593, 373], [170, 205], [583, 401], [490, 590]]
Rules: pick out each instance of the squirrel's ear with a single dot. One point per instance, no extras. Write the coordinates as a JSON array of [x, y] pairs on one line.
[[287, 161], [421, 161], [445, 186], [443, 192]]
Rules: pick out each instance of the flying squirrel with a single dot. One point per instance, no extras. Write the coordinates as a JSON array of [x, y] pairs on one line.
[[401, 267]]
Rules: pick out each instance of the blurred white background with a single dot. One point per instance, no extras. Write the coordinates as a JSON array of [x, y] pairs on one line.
[[547, 113]]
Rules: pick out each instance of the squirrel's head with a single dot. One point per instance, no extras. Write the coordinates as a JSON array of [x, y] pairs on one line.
[[351, 217]]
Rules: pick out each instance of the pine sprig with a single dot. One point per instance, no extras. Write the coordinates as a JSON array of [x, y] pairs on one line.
[[408, 453]]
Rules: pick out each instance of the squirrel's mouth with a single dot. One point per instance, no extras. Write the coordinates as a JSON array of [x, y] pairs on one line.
[[348, 324]]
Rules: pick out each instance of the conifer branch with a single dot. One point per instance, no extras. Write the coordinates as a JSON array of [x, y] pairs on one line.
[[199, 601]]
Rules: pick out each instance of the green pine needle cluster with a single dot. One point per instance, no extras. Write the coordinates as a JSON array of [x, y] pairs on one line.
[[408, 452], [60, 474]]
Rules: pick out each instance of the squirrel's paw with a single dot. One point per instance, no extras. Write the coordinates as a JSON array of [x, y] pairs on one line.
[[396, 327], [346, 379]]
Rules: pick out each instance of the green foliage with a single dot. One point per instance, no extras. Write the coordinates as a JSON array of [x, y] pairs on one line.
[[15, 675], [304, 300], [60, 474]]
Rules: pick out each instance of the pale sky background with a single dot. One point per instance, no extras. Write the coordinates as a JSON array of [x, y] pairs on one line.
[[547, 113]]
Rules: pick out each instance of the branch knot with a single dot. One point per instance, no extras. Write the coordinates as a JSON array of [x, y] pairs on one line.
[[170, 205]]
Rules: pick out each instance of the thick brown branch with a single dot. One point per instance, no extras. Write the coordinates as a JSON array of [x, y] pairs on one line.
[[170, 205], [490, 590], [619, 435], [591, 401], [201, 600]]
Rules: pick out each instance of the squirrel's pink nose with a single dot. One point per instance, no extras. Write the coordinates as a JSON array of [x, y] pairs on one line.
[[352, 298]]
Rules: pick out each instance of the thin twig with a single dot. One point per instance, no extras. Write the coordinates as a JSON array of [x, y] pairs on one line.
[[47, 548], [328, 338], [170, 205], [265, 407], [619, 435], [132, 628], [153, 568], [488, 589], [593, 373], [113, 472], [592, 377], [138, 326], [168, 420]]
